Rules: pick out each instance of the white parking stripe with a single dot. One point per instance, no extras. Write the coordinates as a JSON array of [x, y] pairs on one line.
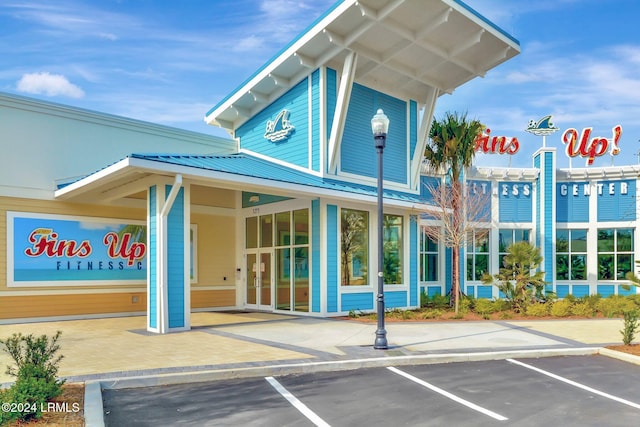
[[449, 395], [296, 403], [575, 384]]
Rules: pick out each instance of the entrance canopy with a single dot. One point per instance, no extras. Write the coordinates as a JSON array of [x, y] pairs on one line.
[[409, 49], [236, 171]]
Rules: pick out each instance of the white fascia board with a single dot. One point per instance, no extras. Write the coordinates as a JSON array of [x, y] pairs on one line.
[[86, 183], [423, 134], [211, 118]]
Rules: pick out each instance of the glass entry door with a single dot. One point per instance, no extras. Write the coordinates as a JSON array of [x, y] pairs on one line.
[[259, 280]]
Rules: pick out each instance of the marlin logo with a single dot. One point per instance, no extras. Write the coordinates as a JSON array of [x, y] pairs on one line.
[[543, 127], [280, 128]]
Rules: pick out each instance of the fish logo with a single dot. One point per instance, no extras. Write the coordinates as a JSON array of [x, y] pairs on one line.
[[542, 127], [280, 128]]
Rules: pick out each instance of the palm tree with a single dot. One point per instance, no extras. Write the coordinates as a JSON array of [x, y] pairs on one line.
[[451, 150]]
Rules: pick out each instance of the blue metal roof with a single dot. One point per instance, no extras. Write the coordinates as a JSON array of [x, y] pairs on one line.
[[246, 165]]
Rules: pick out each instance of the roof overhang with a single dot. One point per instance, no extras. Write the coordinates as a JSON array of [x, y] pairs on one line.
[[133, 175], [405, 48]]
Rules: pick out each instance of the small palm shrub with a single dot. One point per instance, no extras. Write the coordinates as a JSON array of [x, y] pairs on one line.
[[630, 327]]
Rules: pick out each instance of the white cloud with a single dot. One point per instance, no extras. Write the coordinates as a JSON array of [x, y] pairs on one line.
[[48, 84]]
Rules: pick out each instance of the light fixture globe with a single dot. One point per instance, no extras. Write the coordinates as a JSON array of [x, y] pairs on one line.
[[379, 123]]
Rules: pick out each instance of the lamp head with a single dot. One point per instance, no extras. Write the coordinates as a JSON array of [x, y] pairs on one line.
[[379, 123]]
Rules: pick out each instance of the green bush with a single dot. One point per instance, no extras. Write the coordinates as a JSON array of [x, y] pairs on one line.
[[36, 373], [424, 298], [630, 327], [431, 313], [561, 308], [484, 307], [465, 305], [583, 309], [615, 305], [502, 305], [537, 310]]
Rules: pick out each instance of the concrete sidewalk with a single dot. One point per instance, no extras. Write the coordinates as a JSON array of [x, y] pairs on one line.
[[121, 347]]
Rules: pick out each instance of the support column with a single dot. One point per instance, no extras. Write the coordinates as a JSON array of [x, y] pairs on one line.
[[545, 161]]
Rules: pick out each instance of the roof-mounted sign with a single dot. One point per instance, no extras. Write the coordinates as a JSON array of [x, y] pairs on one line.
[[588, 147], [496, 144], [280, 128]]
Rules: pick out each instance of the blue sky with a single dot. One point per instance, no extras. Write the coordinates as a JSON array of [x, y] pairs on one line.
[[169, 62]]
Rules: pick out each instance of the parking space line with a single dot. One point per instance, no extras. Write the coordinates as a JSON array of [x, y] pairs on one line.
[[449, 395], [575, 384], [304, 409]]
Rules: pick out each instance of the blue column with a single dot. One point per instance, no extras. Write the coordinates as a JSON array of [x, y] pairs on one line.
[[545, 160]]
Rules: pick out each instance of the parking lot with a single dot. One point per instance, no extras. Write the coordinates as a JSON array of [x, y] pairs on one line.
[[577, 390]]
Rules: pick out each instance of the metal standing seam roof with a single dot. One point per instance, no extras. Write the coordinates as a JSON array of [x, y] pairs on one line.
[[246, 165]]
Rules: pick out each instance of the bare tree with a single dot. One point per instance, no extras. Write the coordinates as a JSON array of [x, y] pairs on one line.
[[473, 213]]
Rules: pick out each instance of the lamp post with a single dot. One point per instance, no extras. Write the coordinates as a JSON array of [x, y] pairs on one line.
[[380, 126]]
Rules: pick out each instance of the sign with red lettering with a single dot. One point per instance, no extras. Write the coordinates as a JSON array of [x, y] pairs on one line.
[[585, 146], [51, 249], [496, 144]]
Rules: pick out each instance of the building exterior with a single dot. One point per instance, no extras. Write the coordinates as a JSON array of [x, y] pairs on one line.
[[109, 216]]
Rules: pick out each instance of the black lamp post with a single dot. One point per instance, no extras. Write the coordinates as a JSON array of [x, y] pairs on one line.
[[380, 126]]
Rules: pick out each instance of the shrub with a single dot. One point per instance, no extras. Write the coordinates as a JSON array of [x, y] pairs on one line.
[[537, 310], [583, 309], [424, 299], [592, 300], [484, 307], [36, 369], [615, 305], [630, 327], [432, 313], [502, 305], [561, 308], [464, 306]]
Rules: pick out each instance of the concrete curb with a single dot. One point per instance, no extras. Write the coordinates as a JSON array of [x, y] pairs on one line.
[[625, 357], [94, 411]]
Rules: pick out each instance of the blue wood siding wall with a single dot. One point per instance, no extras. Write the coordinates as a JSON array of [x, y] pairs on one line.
[[316, 289], [295, 148], [357, 152], [395, 299], [175, 261], [619, 206], [332, 258], [357, 301], [331, 97], [152, 253], [515, 204], [316, 144], [481, 190], [448, 282], [413, 260], [549, 237], [606, 290], [413, 128], [427, 182], [572, 205], [536, 164]]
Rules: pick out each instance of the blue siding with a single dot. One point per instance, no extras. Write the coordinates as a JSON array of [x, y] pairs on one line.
[[332, 258], [315, 256], [316, 144], [395, 299], [434, 290], [331, 99], [413, 260], [471, 291], [357, 152], [580, 290], [623, 291], [549, 237], [295, 148], [572, 205], [536, 164], [481, 191], [515, 203], [448, 283], [357, 301], [427, 182], [153, 260], [606, 290], [562, 291], [485, 292], [619, 206], [175, 264]]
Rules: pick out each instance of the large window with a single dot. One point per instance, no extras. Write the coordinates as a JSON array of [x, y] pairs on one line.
[[477, 254], [506, 238], [428, 257], [392, 240], [615, 253], [354, 228], [571, 255]]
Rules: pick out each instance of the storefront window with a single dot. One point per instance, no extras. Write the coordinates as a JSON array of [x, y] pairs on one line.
[[354, 245], [266, 231], [571, 255], [477, 254], [428, 257], [251, 233], [393, 249], [615, 253], [506, 238]]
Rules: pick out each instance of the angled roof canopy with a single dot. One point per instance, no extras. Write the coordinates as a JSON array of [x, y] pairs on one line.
[[406, 48]]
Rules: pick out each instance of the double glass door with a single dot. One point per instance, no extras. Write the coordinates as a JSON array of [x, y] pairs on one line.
[[259, 279]]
